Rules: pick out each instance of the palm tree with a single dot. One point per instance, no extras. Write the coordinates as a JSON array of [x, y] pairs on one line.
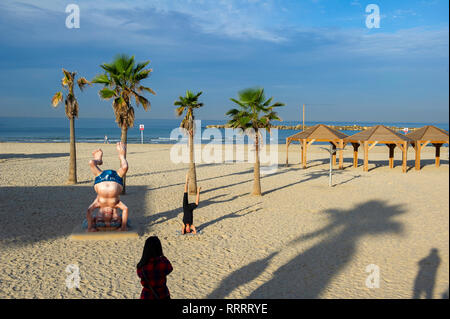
[[68, 83], [254, 112], [188, 103], [121, 82]]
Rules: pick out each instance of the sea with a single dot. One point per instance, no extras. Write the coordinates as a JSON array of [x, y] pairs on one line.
[[156, 131]]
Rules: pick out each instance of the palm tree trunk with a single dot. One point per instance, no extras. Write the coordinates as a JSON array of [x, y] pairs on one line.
[[73, 154], [124, 138], [256, 181], [192, 172]]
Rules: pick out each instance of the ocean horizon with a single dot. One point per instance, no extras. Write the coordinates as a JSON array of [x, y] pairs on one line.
[[156, 131]]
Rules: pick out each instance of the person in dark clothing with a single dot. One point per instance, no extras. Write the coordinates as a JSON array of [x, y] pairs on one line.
[[188, 210], [153, 269]]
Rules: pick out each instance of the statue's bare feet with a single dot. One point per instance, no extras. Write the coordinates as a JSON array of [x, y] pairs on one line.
[[98, 155], [121, 148]]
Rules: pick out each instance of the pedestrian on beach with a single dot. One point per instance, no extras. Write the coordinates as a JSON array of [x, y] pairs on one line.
[[188, 209], [106, 139], [153, 269]]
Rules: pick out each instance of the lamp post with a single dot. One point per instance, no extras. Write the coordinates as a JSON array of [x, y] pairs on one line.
[[331, 151]]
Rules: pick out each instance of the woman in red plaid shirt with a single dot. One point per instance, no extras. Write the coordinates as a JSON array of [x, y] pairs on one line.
[[153, 269]]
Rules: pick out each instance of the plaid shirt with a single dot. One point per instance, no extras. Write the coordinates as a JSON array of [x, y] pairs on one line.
[[155, 276]]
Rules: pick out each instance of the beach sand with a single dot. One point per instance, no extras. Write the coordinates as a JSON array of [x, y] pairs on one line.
[[301, 239]]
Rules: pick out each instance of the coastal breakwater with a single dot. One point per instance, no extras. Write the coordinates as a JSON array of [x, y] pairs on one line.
[[354, 127]]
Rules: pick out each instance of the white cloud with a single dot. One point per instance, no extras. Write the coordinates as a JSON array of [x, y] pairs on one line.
[[356, 3], [232, 18], [413, 46], [236, 19]]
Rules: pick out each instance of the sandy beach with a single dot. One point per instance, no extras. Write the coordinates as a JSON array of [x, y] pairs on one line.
[[301, 239]]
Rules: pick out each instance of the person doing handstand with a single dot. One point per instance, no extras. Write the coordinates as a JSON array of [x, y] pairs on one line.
[[188, 209], [108, 185]]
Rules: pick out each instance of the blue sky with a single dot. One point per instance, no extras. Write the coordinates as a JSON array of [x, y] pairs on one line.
[[317, 52]]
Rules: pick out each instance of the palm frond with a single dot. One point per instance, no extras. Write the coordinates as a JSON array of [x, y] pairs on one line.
[[142, 75], [232, 112], [110, 68], [277, 104], [57, 98], [82, 82], [101, 79], [254, 111], [267, 103], [106, 93], [147, 89], [122, 84], [140, 66], [180, 110], [188, 103], [68, 75], [64, 81], [143, 101]]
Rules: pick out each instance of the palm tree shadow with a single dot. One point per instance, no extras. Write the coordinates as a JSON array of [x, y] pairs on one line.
[[426, 277], [241, 277], [169, 170], [313, 176], [348, 180], [206, 179], [33, 156], [230, 215], [309, 273], [163, 217]]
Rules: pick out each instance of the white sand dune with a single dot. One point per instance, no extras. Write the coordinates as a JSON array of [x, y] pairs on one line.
[[302, 239]]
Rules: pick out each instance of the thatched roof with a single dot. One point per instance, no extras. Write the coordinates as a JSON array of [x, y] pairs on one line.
[[378, 133], [429, 133], [319, 132]]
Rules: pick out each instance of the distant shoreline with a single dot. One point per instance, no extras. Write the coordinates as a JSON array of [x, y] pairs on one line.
[[353, 127], [56, 130]]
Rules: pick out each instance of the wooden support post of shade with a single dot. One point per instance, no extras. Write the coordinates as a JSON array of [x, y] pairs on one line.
[[301, 152], [355, 154], [366, 156], [438, 153], [405, 156], [391, 155], [305, 145], [417, 150], [341, 154], [287, 152]]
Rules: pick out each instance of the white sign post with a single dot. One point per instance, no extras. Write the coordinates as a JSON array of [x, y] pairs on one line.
[[141, 128]]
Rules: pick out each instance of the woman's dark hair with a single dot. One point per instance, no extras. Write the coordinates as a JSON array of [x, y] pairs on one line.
[[152, 249]]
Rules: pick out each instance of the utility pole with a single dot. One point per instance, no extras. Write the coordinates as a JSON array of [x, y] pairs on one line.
[[303, 127]]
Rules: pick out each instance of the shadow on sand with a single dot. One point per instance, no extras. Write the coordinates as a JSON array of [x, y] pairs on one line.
[[426, 277], [163, 217], [33, 214], [34, 156], [315, 175], [230, 215], [444, 295], [309, 273]]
